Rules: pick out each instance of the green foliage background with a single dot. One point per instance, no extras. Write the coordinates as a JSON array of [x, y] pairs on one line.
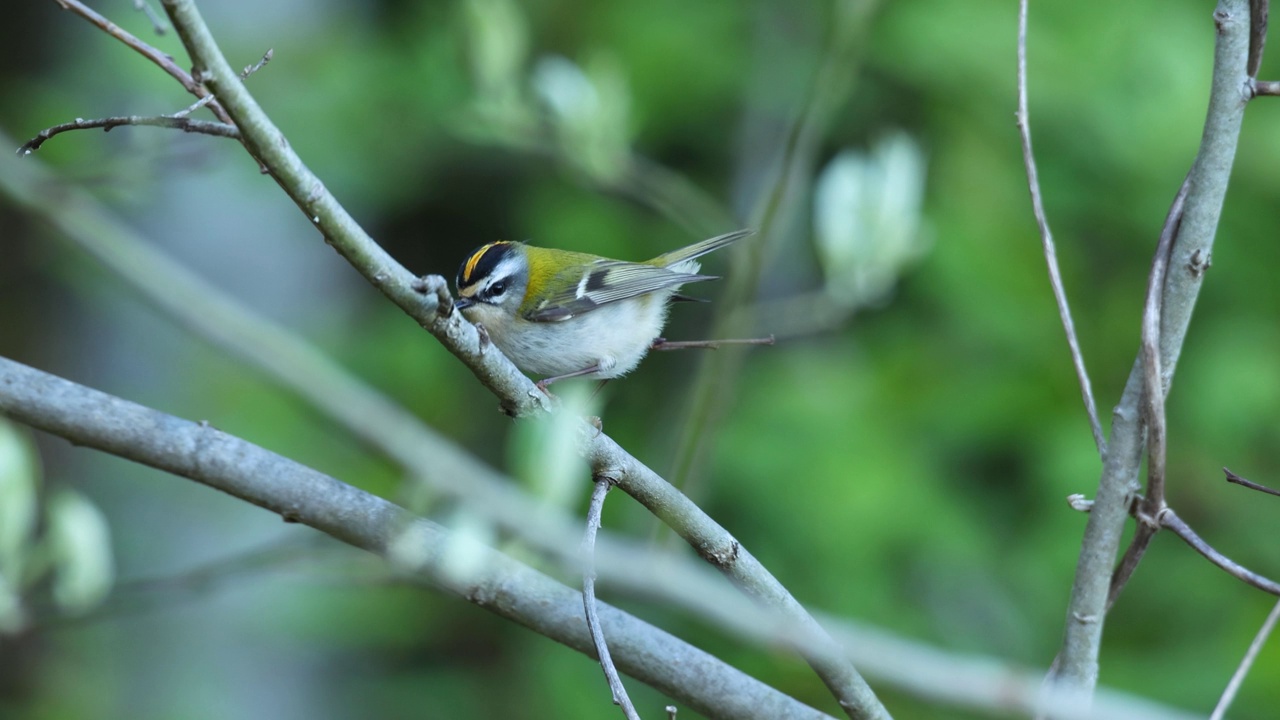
[[907, 469]]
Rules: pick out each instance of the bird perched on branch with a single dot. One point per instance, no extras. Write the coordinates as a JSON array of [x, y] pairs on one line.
[[567, 314]]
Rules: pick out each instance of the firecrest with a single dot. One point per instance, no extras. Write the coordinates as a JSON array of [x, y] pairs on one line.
[[570, 314]]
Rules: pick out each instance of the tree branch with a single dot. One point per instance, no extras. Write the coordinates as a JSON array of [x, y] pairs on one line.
[[1153, 392], [163, 60], [1180, 528], [427, 301], [616, 687], [297, 493], [1046, 238], [157, 22], [1237, 678], [1207, 185], [175, 122], [940, 676], [1258, 12], [1234, 478]]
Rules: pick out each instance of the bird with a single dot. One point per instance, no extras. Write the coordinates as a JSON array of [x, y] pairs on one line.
[[564, 314]]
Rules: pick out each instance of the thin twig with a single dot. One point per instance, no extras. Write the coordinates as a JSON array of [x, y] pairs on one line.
[[1258, 12], [157, 22], [251, 69], [193, 106], [244, 75], [161, 59], [1154, 389], [1046, 238], [1132, 556], [176, 122], [598, 493], [1180, 528], [665, 344], [1246, 663], [1234, 478], [1153, 402], [1264, 87]]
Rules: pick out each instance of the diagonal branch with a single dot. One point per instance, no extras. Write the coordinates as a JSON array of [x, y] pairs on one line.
[[1046, 238], [428, 303], [1170, 519], [1237, 678], [300, 494]]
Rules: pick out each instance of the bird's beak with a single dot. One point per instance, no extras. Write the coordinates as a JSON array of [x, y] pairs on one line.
[[463, 303]]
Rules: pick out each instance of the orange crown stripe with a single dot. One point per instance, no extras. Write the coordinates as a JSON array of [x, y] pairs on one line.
[[471, 262]]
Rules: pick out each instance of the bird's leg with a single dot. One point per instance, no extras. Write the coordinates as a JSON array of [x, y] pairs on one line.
[[665, 344], [544, 382]]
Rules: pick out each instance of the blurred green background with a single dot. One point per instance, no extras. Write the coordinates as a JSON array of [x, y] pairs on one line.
[[901, 457]]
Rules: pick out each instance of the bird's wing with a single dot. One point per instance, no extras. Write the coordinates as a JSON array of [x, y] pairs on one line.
[[601, 283]]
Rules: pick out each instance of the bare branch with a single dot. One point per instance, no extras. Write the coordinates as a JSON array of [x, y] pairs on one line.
[[665, 344], [157, 22], [1046, 238], [1129, 562], [1180, 528], [1193, 244], [1153, 393], [281, 356], [193, 106], [1258, 12], [161, 59], [423, 301], [1234, 478], [594, 510], [1264, 87], [1250, 655], [175, 122], [300, 494], [251, 69], [1153, 385]]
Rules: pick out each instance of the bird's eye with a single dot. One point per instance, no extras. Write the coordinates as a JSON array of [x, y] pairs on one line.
[[498, 288]]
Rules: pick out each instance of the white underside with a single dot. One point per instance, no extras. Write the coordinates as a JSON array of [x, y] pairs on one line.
[[614, 337]]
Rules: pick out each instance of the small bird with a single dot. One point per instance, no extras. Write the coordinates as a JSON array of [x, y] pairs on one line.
[[567, 314]]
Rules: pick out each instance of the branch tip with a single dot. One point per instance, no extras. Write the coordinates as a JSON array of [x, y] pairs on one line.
[[1243, 482]]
